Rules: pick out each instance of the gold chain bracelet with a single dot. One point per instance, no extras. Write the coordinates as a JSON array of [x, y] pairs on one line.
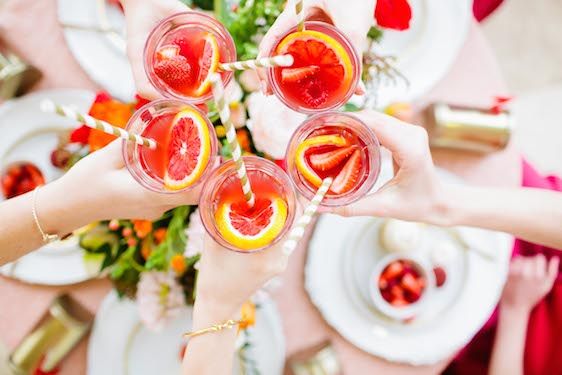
[[214, 328]]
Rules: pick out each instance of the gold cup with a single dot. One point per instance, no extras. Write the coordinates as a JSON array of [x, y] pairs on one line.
[[466, 128], [320, 359], [54, 336]]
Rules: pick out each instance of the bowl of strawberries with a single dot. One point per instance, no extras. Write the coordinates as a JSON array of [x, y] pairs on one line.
[[400, 286]]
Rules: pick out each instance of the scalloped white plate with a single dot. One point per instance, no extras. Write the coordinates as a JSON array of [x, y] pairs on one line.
[[426, 51], [120, 345], [28, 134], [333, 279]]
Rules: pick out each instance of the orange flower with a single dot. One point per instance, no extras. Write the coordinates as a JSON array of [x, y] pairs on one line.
[[142, 228], [178, 264], [112, 111], [146, 248], [159, 235], [248, 313], [244, 139]]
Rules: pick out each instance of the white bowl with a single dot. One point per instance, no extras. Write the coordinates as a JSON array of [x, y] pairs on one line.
[[413, 309]]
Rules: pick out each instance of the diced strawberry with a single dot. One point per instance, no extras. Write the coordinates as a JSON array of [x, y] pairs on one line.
[[175, 72], [440, 276], [383, 283], [410, 283], [291, 75], [349, 175], [393, 270], [167, 52], [399, 302], [80, 135], [328, 160], [397, 292]]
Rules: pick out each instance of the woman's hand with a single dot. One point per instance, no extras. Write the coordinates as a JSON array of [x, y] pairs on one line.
[[353, 18], [141, 17], [100, 187], [529, 280], [415, 192]]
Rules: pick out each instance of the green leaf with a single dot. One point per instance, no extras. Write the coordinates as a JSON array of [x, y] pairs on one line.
[[375, 34], [350, 107]]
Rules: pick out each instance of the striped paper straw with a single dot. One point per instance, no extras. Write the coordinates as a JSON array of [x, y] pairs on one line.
[[65, 111], [224, 112], [264, 62], [298, 230], [299, 10]]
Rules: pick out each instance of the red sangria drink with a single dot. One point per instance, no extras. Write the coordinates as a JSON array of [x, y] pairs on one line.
[[182, 52], [336, 145], [325, 72], [186, 146]]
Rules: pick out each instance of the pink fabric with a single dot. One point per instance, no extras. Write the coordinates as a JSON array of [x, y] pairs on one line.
[[30, 28], [543, 347]]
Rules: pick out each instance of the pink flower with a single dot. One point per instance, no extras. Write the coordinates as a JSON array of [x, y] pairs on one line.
[[195, 235], [271, 123], [159, 298]]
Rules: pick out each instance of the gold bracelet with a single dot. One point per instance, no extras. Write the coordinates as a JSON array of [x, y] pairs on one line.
[[47, 238], [214, 328]]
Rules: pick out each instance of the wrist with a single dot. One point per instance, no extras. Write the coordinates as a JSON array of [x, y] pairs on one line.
[[515, 312], [209, 311]]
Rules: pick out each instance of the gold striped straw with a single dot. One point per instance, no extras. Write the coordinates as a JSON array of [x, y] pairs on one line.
[[65, 111], [264, 62], [224, 112], [300, 228], [299, 10]]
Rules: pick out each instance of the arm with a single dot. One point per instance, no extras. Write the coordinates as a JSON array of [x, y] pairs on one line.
[[226, 280], [529, 280], [98, 187], [416, 193]]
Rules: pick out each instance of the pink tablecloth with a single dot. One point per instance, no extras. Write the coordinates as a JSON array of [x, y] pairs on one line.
[[30, 28]]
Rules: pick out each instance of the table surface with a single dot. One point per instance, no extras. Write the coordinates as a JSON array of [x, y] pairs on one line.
[[474, 79]]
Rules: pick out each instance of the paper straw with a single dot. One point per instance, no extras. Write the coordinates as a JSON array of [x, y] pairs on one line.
[[299, 10], [224, 112], [65, 111], [298, 230], [264, 62]]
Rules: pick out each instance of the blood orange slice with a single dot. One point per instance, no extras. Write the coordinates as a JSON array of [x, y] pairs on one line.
[[189, 150], [300, 155], [313, 48], [208, 64], [251, 228]]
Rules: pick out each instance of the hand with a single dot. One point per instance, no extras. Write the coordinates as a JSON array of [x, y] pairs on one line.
[[141, 17], [227, 279], [415, 192], [99, 187], [353, 18], [529, 280]]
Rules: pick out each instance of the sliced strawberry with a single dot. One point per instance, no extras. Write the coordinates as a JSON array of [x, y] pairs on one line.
[[175, 72], [393, 270], [410, 283], [167, 52], [349, 175], [328, 160], [440, 276], [291, 75]]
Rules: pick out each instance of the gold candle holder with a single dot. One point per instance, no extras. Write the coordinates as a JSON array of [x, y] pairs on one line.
[[466, 128], [52, 338], [16, 77], [320, 359]]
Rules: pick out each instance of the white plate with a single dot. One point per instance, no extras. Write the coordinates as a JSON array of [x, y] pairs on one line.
[[28, 134], [427, 49], [333, 275], [120, 344], [101, 55]]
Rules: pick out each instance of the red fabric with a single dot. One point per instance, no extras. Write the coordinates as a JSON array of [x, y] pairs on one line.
[[483, 8], [543, 348]]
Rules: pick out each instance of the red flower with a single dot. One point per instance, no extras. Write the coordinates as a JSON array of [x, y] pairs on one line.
[[393, 14], [101, 97], [140, 101], [80, 135]]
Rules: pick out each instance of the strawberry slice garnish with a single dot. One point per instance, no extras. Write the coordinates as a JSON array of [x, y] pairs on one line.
[[175, 72], [167, 52], [349, 175], [328, 160], [291, 75]]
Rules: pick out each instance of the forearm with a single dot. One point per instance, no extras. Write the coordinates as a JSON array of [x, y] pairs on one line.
[[57, 212], [531, 214], [509, 344], [211, 353]]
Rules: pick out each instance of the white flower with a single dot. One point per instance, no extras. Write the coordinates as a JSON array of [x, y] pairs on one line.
[[159, 299], [272, 124], [195, 233], [250, 80]]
